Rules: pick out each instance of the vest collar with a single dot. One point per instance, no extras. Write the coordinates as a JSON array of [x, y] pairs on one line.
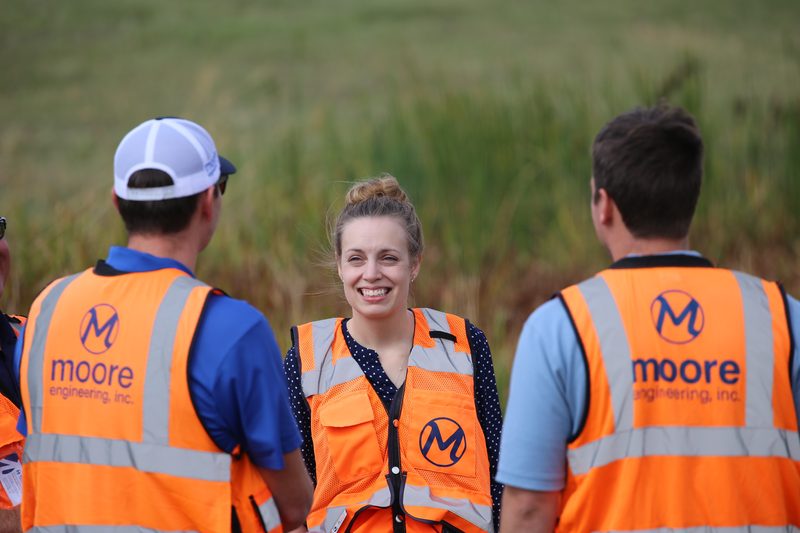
[[662, 260]]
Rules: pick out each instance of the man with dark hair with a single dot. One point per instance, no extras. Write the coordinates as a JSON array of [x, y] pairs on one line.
[[154, 401], [663, 393]]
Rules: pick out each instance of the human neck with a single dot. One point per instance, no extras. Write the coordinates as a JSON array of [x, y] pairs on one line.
[[177, 246], [639, 246], [377, 333]]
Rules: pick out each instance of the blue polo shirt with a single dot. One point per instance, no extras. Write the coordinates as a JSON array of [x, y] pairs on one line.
[[548, 396], [236, 377]]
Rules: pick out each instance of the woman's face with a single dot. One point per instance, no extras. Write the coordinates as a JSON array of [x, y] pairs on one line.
[[375, 266]]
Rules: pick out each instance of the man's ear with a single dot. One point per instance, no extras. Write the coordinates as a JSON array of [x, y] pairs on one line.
[[206, 202], [606, 207], [114, 199]]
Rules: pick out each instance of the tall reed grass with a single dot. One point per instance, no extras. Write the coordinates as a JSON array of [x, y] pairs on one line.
[[500, 180]]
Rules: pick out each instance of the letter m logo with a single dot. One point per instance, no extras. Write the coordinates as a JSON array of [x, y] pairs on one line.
[[677, 316], [450, 440], [99, 328]]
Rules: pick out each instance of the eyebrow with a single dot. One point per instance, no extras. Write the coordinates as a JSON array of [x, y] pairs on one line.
[[382, 250]]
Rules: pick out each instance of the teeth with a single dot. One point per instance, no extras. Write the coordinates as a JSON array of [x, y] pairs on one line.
[[374, 292]]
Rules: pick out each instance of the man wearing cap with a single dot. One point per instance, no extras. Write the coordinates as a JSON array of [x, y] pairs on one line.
[[10, 439], [152, 400], [663, 393]]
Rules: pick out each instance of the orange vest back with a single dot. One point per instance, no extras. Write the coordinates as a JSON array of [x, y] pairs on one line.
[[423, 461], [113, 437], [691, 420]]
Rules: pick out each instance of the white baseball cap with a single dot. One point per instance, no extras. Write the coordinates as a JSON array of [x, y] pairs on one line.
[[179, 147]]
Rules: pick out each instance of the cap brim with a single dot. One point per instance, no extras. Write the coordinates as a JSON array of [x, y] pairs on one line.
[[226, 167]]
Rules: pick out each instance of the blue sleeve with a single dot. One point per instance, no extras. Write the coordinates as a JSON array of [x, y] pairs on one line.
[[22, 423], [237, 383], [301, 410], [546, 402], [487, 405], [793, 309]]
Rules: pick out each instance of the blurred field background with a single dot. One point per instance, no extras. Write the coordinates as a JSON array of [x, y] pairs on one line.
[[485, 111]]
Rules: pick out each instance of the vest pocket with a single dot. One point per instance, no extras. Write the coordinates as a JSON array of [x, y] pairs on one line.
[[442, 433], [350, 435]]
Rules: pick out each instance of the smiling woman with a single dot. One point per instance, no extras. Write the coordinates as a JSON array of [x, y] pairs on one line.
[[398, 407]]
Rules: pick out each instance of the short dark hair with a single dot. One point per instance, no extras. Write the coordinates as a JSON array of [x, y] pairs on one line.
[[650, 162], [156, 216]]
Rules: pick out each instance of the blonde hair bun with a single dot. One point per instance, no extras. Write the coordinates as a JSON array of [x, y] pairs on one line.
[[384, 185]]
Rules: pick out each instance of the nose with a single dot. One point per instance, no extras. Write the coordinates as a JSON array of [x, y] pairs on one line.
[[372, 270]]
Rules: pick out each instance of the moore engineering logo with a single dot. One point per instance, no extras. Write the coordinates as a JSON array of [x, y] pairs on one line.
[[450, 440], [677, 316], [99, 328]]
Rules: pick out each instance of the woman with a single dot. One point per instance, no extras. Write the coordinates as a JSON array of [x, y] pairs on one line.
[[398, 407]]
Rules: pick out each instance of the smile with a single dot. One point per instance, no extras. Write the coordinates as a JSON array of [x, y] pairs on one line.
[[374, 292]]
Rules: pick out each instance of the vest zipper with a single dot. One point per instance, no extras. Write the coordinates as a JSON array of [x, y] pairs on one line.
[[396, 476]]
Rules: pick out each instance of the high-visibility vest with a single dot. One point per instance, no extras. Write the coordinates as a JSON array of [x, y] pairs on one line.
[[114, 441], [690, 422], [11, 441], [421, 462]]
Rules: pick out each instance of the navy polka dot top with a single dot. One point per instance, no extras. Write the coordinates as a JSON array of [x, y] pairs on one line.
[[487, 401]]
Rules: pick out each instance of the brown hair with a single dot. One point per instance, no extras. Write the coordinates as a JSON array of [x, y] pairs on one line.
[[650, 162], [377, 197]]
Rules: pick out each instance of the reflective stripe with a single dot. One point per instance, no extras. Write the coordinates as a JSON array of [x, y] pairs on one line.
[[155, 418], [614, 347], [760, 358], [145, 457], [381, 498], [478, 515], [687, 442], [442, 357], [705, 529], [322, 333], [36, 353], [72, 528], [319, 380], [269, 514]]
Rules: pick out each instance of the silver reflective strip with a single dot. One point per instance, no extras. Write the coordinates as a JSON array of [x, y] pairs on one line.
[[156, 397], [616, 351], [330, 375], [478, 515], [322, 332], [36, 353], [442, 357], [381, 498], [437, 320], [73, 528], [717, 529], [685, 442], [759, 354], [269, 514], [145, 457], [325, 374]]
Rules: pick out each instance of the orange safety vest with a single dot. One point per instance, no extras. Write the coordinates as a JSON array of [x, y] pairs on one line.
[[11, 442], [114, 441], [421, 463], [690, 422]]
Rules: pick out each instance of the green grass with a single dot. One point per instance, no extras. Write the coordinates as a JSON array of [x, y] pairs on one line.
[[485, 111]]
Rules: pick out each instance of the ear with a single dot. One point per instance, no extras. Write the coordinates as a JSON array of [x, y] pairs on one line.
[[206, 203], [415, 268], [605, 207], [114, 199]]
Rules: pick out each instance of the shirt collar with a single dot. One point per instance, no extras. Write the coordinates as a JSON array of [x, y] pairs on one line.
[[674, 258], [129, 260]]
